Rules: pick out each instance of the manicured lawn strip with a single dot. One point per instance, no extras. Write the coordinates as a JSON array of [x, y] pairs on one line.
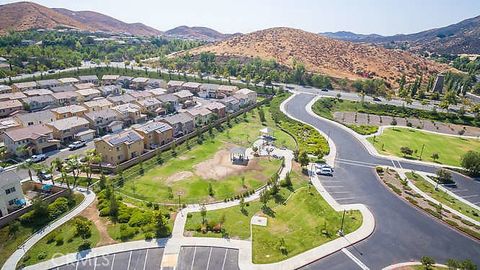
[[363, 129], [326, 106], [9, 243], [308, 138], [63, 240], [237, 224], [450, 149], [305, 222], [443, 197]]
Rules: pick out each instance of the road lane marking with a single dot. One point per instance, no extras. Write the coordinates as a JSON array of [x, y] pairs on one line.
[[224, 258], [357, 164], [332, 186], [145, 262], [129, 259], [470, 196], [346, 198], [356, 161], [339, 192], [113, 261], [355, 259], [393, 163], [209, 256], [194, 254]]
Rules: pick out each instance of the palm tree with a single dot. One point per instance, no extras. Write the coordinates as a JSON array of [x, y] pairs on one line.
[[39, 168], [27, 165], [73, 166]]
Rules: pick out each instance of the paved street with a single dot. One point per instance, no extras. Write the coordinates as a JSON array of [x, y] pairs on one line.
[[402, 232], [207, 258]]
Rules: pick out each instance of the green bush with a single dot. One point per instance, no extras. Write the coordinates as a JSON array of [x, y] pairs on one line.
[[126, 232], [139, 218], [58, 208], [85, 245], [41, 256]]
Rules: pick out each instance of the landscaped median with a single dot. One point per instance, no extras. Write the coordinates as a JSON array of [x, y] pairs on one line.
[[424, 146], [419, 192]]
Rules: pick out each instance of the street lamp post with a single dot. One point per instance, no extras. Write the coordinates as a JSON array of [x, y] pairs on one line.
[[341, 228], [421, 152]]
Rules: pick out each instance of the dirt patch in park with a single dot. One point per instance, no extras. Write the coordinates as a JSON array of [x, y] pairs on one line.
[[92, 214], [179, 176], [220, 166]]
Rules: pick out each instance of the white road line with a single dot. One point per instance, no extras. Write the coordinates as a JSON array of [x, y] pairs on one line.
[[458, 190], [347, 198], [476, 203], [95, 263], [356, 161], [76, 266], [209, 256], [145, 262], [113, 261], [393, 163], [470, 196], [339, 192], [399, 164], [129, 259], [355, 259], [224, 258], [332, 186], [357, 164], [193, 260]]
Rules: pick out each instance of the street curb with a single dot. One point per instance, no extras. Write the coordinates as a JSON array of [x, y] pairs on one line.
[[399, 265]]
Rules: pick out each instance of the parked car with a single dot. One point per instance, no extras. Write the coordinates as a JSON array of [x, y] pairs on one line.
[[43, 175], [324, 89], [376, 99], [1, 169], [325, 171], [77, 145], [323, 165], [37, 158]]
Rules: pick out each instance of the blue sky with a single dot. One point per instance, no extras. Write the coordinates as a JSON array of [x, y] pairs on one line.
[[385, 17]]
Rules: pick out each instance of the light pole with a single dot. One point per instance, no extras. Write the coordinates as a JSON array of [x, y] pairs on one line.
[[341, 228], [421, 152]]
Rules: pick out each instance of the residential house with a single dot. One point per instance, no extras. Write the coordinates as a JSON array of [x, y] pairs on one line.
[[37, 92], [169, 101], [65, 98], [88, 94], [81, 86], [183, 96], [64, 88], [208, 90], [182, 123], [139, 95], [231, 103], [66, 129], [124, 81], [88, 79], [130, 113], [69, 111], [217, 108], [110, 79], [121, 99], [155, 134], [151, 106], [120, 147], [193, 87], [226, 90], [139, 83], [47, 84], [156, 83], [31, 140], [98, 104], [174, 86], [110, 90], [36, 103], [100, 120], [10, 106], [12, 96], [11, 193], [35, 118], [251, 95], [8, 124], [23, 86], [157, 91], [201, 115], [68, 81], [5, 89]]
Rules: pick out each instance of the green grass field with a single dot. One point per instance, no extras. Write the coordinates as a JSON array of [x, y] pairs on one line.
[[50, 245], [450, 149], [443, 197], [155, 183]]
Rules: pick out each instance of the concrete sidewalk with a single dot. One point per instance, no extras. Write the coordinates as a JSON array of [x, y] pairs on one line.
[[15, 258]]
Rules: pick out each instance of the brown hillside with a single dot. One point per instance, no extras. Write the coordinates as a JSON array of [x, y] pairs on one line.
[[324, 55], [26, 15]]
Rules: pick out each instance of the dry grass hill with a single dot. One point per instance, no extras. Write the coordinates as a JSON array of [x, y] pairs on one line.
[[323, 55], [22, 16]]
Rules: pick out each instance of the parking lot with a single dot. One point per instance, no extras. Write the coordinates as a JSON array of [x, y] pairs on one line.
[[145, 259], [207, 258]]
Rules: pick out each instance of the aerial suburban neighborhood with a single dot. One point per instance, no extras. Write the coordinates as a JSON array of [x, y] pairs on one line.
[[126, 147]]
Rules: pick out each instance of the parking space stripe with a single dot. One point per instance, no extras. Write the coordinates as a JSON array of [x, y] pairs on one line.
[[193, 260], [113, 261], [470, 196], [129, 259], [347, 198], [209, 257], [355, 259], [224, 258], [145, 262], [332, 186], [393, 164], [339, 192], [357, 164], [95, 263]]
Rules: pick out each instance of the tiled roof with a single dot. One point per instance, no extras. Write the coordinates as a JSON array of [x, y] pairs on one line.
[[69, 109], [68, 123], [31, 132], [154, 126]]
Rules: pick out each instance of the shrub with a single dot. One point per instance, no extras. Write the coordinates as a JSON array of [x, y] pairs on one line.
[[59, 240], [139, 218], [42, 255], [126, 232], [379, 169], [57, 208], [85, 245]]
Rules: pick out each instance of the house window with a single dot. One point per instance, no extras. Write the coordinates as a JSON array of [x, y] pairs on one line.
[[12, 202], [9, 190]]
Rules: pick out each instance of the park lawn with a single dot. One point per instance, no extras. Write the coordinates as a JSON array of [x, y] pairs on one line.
[[47, 247], [363, 129], [237, 223], [450, 149], [443, 197], [304, 222], [9, 243]]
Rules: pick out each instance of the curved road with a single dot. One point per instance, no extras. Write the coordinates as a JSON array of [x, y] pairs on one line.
[[402, 232]]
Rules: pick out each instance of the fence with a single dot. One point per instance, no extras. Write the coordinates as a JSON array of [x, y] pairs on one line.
[[150, 154], [58, 192]]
